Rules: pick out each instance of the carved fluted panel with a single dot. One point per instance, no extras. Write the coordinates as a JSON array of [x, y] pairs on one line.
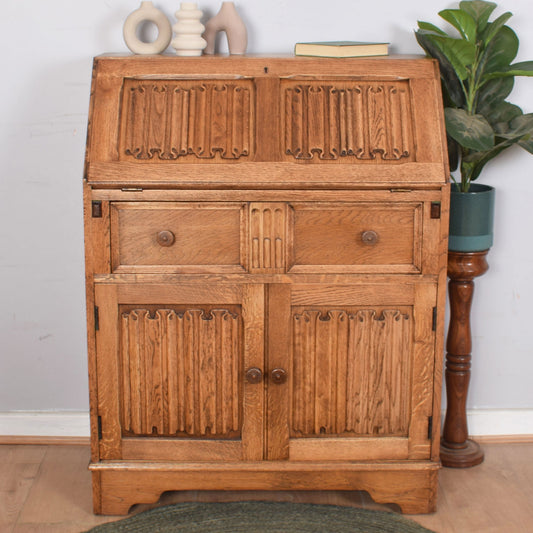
[[268, 236], [351, 372], [180, 373], [171, 120], [341, 120]]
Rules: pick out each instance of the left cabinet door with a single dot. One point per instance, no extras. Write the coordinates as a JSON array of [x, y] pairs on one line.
[[176, 371]]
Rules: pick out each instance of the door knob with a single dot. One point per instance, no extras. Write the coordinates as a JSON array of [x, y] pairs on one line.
[[279, 376], [254, 375]]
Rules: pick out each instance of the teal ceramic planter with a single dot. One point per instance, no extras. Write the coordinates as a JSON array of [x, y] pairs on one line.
[[471, 219]]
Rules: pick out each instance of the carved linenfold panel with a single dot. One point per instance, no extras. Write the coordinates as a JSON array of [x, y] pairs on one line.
[[180, 373], [186, 119], [268, 236], [351, 372], [343, 120]]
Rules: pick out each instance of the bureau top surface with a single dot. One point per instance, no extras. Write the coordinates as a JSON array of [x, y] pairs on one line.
[[394, 66], [265, 122]]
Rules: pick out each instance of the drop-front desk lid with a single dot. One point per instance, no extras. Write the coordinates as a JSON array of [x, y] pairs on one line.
[[266, 122]]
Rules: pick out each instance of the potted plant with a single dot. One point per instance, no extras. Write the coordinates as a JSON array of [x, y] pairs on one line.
[[477, 76]]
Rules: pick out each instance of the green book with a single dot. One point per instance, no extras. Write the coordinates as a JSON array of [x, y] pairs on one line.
[[341, 49]]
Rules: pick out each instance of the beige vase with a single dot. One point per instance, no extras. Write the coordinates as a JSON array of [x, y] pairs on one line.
[[229, 21], [188, 30], [147, 13]]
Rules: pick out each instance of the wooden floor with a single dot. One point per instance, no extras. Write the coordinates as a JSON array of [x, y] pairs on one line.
[[48, 489]]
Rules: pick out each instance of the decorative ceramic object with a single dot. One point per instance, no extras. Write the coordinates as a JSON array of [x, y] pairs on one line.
[[147, 13], [188, 40], [228, 20]]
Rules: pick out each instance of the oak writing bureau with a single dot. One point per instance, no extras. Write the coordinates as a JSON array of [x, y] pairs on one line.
[[266, 242]]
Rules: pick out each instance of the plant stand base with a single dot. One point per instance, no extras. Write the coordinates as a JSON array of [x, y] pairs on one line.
[[469, 455]]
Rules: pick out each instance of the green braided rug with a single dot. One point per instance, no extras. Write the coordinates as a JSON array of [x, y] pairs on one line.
[[261, 517]]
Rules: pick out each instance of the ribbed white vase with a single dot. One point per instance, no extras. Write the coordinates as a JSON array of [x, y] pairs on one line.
[[188, 40]]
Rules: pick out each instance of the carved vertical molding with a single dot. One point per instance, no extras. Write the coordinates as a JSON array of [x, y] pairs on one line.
[[180, 373], [342, 120], [268, 237], [351, 372], [187, 120]]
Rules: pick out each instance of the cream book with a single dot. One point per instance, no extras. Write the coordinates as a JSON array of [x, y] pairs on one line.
[[341, 49]]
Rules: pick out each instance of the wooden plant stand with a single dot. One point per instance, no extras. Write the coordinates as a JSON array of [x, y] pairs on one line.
[[457, 450]]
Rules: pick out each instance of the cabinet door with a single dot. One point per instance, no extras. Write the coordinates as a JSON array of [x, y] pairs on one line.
[[350, 371], [172, 362]]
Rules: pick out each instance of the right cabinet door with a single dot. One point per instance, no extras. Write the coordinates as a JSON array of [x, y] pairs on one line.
[[351, 371]]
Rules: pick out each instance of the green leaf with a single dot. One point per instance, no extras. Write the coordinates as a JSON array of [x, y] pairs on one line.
[[524, 126], [430, 27], [475, 161], [460, 53], [453, 153], [451, 84], [501, 51], [525, 68], [461, 21], [520, 132], [527, 143], [494, 27], [480, 11], [501, 114], [470, 131], [492, 94]]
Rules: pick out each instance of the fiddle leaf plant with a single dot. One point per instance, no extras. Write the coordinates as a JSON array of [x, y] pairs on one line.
[[477, 73]]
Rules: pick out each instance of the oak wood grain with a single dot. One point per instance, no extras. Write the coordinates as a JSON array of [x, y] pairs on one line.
[[264, 256]]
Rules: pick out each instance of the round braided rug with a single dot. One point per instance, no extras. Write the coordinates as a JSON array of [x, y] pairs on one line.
[[261, 517]]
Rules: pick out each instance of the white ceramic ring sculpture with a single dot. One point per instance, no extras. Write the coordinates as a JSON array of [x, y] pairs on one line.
[[147, 13]]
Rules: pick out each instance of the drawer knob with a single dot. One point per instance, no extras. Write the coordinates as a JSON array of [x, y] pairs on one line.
[[165, 238], [279, 376], [254, 375], [369, 237]]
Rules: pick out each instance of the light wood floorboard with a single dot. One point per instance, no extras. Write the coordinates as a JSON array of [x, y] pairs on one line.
[[47, 489]]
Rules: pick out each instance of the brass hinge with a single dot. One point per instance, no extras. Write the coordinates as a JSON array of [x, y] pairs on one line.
[[99, 427], [434, 320], [96, 209], [96, 318], [430, 427], [435, 210]]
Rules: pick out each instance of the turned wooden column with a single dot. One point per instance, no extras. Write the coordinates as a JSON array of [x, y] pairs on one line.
[[457, 450]]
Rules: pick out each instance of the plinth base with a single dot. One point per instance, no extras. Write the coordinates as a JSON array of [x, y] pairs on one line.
[[470, 454]]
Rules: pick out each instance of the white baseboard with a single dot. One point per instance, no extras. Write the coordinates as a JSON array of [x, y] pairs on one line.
[[481, 422], [45, 423], [489, 422]]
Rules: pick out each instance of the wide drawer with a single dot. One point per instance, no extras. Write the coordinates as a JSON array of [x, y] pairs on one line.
[[357, 237], [176, 237], [271, 237]]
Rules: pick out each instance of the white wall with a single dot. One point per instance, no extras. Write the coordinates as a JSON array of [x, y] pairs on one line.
[[47, 49]]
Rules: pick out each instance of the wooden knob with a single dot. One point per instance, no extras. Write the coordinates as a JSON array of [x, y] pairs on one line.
[[278, 376], [165, 238], [254, 375], [369, 237]]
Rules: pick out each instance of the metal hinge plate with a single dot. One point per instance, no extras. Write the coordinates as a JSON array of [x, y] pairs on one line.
[[435, 210], [96, 209]]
